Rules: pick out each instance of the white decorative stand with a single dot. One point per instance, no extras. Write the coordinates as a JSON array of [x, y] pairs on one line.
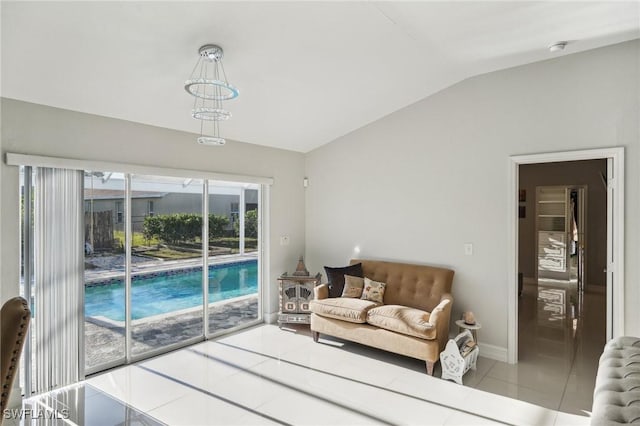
[[454, 363]]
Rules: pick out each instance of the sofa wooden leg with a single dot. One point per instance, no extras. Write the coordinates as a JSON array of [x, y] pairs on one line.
[[430, 366], [316, 335]]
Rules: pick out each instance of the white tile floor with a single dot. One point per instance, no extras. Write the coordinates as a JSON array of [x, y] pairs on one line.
[[266, 375], [561, 337]]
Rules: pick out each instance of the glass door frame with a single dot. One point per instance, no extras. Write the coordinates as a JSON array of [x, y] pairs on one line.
[[128, 356], [206, 334], [262, 272], [263, 183]]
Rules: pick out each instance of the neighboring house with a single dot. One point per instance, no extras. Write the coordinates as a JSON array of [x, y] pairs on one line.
[[149, 203]]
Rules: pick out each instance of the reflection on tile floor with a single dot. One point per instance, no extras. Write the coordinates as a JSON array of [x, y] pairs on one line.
[[82, 404], [561, 335], [270, 376]]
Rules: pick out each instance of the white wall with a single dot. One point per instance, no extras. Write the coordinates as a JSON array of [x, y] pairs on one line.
[[419, 183], [40, 130]]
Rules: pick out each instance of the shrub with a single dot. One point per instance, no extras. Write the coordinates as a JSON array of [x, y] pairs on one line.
[[250, 225], [152, 227], [217, 225], [182, 227], [171, 229]]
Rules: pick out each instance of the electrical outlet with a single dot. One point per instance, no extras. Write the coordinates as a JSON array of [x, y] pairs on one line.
[[468, 249], [284, 240]]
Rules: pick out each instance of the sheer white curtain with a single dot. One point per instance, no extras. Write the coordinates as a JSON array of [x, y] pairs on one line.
[[58, 275]]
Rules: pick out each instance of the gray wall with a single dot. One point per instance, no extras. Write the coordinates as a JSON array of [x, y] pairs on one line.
[[569, 173], [41, 130], [420, 183]]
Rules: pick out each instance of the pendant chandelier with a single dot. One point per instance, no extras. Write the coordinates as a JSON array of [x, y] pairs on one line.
[[209, 86]]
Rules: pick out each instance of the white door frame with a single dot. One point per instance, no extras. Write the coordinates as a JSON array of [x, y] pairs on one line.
[[615, 236]]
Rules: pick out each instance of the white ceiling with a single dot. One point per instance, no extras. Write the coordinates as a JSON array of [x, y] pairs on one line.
[[308, 72]]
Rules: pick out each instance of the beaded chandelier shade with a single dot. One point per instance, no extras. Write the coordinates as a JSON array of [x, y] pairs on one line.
[[210, 88]]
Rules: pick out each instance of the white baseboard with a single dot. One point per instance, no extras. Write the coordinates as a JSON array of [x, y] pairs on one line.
[[493, 352]]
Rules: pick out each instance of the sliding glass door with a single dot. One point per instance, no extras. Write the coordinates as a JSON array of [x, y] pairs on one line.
[[104, 269], [233, 289], [166, 262]]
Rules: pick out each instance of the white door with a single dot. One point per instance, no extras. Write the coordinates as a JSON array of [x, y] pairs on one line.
[[610, 247]]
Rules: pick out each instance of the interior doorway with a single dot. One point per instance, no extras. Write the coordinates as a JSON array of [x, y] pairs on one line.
[[549, 360], [562, 258], [614, 266]]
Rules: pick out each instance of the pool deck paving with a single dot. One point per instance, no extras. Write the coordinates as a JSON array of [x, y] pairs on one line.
[[105, 339]]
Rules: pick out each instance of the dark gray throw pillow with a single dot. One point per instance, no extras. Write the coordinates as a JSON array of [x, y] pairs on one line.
[[335, 277]]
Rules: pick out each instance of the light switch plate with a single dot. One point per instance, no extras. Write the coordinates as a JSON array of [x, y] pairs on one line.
[[284, 240], [468, 249]]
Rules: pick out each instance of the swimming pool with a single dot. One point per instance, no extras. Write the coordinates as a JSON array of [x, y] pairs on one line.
[[169, 291]]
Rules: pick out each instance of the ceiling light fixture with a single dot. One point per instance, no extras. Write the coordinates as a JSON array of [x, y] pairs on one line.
[[558, 46], [209, 86]]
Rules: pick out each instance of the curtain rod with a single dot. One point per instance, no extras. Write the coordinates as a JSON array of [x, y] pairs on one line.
[[13, 159]]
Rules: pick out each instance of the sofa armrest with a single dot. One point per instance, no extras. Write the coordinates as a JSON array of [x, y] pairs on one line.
[[439, 318], [321, 291]]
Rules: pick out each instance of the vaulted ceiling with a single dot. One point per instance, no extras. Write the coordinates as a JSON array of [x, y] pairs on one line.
[[308, 72]]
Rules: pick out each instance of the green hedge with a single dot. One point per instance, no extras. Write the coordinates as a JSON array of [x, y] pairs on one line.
[[182, 227], [250, 225]]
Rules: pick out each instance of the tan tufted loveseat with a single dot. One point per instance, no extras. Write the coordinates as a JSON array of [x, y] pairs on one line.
[[616, 397], [413, 321]]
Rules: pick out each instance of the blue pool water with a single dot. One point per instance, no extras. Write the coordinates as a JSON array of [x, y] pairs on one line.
[[163, 292]]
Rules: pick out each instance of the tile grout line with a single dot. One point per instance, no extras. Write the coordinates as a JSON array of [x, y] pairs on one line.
[[521, 385], [484, 375]]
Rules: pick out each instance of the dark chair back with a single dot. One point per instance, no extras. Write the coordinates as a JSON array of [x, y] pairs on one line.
[[14, 321]]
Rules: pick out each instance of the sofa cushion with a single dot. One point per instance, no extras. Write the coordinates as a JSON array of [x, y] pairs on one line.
[[335, 277], [343, 308], [402, 319], [417, 286], [373, 290], [353, 286]]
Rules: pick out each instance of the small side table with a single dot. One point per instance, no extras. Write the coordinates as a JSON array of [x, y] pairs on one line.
[[295, 294], [471, 327]]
